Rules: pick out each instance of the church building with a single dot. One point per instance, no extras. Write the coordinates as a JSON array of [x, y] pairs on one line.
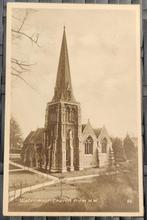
[[68, 144]]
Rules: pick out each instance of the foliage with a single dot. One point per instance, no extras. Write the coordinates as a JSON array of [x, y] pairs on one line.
[[15, 135], [129, 147], [118, 192], [106, 193], [119, 152]]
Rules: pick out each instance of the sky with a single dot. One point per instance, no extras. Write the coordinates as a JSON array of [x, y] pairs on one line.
[[102, 55]]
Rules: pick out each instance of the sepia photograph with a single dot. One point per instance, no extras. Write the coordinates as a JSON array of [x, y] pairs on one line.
[[73, 138]]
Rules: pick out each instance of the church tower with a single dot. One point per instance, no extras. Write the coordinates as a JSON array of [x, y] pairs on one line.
[[63, 121]]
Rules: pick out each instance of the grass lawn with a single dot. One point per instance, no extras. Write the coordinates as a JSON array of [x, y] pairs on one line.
[[84, 172], [113, 193], [24, 178], [13, 167], [17, 160]]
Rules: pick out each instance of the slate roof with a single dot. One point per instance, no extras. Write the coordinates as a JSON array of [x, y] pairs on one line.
[[35, 136], [97, 131], [39, 135], [83, 126], [29, 137]]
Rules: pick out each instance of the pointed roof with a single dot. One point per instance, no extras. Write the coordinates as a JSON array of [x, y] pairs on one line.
[[87, 128], [97, 131], [63, 87], [83, 127], [35, 136], [29, 137]]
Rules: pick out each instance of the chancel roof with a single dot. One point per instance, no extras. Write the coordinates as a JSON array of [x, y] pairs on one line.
[[97, 131], [35, 136], [29, 137], [83, 126]]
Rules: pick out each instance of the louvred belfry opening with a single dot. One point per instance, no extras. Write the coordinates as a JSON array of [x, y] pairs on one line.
[[63, 87]]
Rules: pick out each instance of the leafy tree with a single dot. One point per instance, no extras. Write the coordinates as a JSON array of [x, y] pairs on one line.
[[118, 149], [129, 147], [15, 135]]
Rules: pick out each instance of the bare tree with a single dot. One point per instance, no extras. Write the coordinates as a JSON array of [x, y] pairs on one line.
[[19, 67]]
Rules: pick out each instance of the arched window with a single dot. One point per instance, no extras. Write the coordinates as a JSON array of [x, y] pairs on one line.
[[89, 145], [68, 114], [72, 115], [104, 145]]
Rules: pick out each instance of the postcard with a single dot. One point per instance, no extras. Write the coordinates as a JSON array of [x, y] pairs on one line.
[[73, 139]]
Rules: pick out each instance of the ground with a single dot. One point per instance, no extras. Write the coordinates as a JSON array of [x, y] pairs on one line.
[[13, 167], [103, 193], [24, 178], [117, 192], [84, 172]]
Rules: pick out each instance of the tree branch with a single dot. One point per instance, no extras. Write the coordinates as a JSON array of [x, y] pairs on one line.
[[23, 21], [22, 65], [17, 75], [19, 71], [19, 67], [35, 41]]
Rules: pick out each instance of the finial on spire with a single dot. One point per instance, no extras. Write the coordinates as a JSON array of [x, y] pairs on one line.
[[64, 27]]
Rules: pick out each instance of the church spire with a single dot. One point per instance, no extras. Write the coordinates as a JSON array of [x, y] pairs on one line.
[[63, 87]]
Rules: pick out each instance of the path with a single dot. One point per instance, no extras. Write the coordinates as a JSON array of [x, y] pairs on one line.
[[34, 171], [17, 193], [66, 179], [16, 170]]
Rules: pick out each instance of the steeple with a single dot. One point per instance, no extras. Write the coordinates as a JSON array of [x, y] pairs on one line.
[[63, 88]]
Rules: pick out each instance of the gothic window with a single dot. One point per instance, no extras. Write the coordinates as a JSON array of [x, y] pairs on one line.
[[72, 115], [89, 145], [68, 114], [53, 114], [104, 145], [64, 114]]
